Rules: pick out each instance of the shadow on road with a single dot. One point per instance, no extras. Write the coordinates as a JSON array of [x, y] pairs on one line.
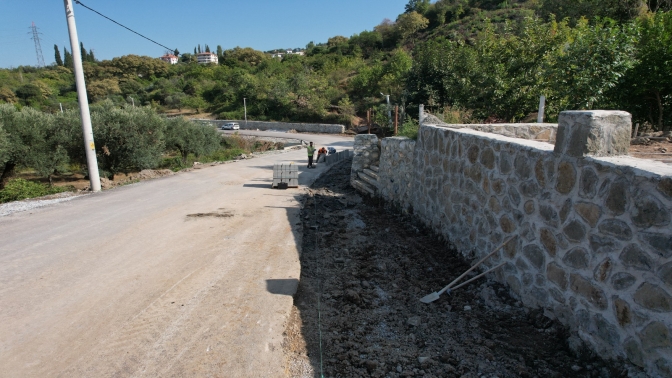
[[285, 286]]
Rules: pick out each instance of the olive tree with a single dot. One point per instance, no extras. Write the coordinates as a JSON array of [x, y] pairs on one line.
[[188, 137], [128, 138]]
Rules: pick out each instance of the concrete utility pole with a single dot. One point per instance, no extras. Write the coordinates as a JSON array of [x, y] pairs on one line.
[[245, 107], [87, 130]]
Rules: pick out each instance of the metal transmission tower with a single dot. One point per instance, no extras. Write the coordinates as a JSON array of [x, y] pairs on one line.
[[38, 48]]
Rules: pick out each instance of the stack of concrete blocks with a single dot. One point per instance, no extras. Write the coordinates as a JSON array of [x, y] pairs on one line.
[[591, 226], [286, 172]]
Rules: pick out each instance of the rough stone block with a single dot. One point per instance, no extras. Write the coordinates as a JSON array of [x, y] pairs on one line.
[[634, 352], [622, 280], [577, 258], [655, 335], [575, 231], [635, 257], [557, 275], [665, 273], [586, 289], [594, 132], [589, 212], [653, 298], [622, 311]]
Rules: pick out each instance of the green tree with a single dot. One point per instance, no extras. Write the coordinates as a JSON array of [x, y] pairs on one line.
[[176, 52], [27, 141], [7, 95], [207, 48], [419, 6], [189, 138], [646, 90], [57, 56], [410, 23], [582, 73], [67, 58], [85, 55], [194, 102], [127, 139]]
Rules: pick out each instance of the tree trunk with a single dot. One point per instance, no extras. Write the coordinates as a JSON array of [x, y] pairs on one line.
[[659, 103], [7, 173]]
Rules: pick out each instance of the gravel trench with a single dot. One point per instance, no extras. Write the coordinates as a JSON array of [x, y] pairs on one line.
[[365, 266]]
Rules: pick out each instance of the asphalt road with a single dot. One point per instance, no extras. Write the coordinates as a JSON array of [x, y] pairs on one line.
[[188, 275]]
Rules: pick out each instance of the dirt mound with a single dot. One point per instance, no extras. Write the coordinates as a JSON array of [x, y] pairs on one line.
[[357, 310], [148, 174]]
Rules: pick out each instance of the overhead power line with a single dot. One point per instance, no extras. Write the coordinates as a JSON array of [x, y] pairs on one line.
[[125, 27]]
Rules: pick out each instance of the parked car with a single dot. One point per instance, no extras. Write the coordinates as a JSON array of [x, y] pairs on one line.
[[231, 126]]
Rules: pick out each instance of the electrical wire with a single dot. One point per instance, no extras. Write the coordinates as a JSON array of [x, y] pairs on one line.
[[125, 27]]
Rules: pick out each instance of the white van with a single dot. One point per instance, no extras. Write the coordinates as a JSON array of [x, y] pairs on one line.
[[231, 126]]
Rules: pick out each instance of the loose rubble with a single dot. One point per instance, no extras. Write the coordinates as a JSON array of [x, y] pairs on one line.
[[357, 310]]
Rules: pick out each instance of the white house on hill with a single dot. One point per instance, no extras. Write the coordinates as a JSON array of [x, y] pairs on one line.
[[207, 57], [169, 58]]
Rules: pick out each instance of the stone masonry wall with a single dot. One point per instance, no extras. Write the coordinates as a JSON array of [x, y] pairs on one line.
[[366, 153], [281, 126], [592, 235], [395, 176]]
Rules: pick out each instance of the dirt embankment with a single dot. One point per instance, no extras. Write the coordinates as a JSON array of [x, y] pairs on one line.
[[357, 310]]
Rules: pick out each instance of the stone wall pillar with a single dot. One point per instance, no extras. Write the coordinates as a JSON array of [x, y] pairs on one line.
[[593, 133], [366, 153]]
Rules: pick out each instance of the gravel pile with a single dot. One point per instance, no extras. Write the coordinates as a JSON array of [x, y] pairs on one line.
[[34, 203]]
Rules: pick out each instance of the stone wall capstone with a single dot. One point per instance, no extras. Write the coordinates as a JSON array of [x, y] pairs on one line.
[[592, 235]]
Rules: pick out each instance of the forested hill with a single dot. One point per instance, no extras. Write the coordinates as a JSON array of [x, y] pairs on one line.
[[467, 60]]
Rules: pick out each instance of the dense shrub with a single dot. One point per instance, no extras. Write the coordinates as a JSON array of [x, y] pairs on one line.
[[188, 137], [19, 189]]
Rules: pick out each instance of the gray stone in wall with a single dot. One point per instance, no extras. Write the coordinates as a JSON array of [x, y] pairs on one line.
[[634, 352], [622, 280], [616, 228], [655, 335], [587, 290], [653, 298], [577, 258], [649, 211], [635, 257], [665, 273], [596, 133], [659, 242]]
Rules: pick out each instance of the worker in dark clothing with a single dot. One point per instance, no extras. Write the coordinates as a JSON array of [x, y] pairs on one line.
[[322, 152], [311, 152]]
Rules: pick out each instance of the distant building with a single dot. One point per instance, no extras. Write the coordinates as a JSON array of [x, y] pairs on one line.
[[207, 57], [169, 58], [279, 55]]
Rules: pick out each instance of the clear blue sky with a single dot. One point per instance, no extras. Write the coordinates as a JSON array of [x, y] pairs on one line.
[[260, 24]]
